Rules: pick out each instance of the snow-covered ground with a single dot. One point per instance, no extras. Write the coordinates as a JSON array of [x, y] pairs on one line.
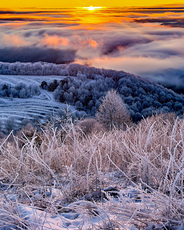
[[14, 79], [14, 111]]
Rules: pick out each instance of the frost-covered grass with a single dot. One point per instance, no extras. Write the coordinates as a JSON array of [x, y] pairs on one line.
[[22, 101], [58, 177]]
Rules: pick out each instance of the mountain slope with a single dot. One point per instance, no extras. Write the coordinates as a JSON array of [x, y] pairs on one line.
[[31, 94]]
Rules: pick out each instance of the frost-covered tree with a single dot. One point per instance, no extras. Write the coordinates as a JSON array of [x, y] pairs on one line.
[[23, 93], [88, 85], [113, 112]]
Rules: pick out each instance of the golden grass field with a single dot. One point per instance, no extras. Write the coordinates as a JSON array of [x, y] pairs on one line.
[[79, 159]]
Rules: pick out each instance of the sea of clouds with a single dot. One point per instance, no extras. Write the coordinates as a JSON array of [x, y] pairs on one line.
[[143, 41]]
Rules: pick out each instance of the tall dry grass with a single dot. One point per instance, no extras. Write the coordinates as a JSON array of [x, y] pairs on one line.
[[149, 157]]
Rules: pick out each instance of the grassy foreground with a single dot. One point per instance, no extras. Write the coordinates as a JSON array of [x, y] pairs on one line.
[[59, 170]]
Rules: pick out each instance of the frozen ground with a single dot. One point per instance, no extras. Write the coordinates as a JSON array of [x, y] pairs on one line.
[[131, 208], [14, 79], [37, 108], [87, 215], [125, 179]]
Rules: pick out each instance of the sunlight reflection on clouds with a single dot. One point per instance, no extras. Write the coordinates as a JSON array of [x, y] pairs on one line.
[[136, 40]]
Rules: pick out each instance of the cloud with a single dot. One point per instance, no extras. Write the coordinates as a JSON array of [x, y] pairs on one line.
[[160, 49], [144, 10], [133, 40], [93, 43], [35, 54], [27, 12], [161, 76], [20, 19], [54, 41], [170, 33], [40, 33], [52, 32], [28, 34], [51, 24], [111, 47], [13, 40], [135, 65], [173, 22]]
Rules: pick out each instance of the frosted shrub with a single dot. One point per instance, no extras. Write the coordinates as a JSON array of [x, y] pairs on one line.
[[90, 126], [112, 112]]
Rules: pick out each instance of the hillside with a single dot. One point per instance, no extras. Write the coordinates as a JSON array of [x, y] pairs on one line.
[[82, 174], [31, 93]]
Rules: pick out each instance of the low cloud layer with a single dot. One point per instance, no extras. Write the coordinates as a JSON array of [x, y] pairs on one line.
[[35, 54], [114, 45], [173, 22]]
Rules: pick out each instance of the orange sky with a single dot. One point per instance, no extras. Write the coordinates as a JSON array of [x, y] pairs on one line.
[[81, 3]]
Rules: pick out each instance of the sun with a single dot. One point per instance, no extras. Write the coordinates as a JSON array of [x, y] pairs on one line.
[[92, 8]]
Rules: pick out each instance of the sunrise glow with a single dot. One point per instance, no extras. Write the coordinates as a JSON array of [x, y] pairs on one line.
[[73, 3], [92, 8]]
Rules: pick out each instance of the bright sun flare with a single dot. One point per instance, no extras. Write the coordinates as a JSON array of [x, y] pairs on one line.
[[92, 8]]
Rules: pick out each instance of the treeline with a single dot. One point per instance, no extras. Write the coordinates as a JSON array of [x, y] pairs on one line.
[[43, 69], [38, 69], [141, 97], [20, 90]]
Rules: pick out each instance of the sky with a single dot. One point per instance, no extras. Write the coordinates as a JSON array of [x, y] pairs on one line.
[[81, 3], [142, 40]]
